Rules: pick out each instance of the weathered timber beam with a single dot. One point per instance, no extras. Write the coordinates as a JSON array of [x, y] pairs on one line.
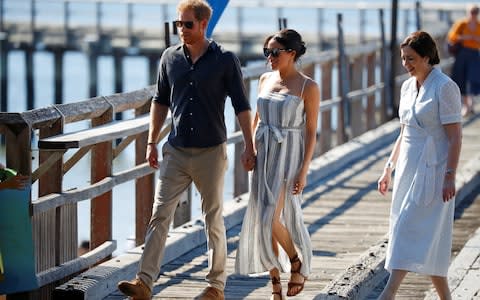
[[45, 166], [95, 135], [51, 201], [74, 266]]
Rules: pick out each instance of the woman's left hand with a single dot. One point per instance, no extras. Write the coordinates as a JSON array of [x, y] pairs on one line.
[[448, 188], [299, 184]]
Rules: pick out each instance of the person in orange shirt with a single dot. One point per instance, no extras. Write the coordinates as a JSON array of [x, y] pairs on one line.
[[466, 69]]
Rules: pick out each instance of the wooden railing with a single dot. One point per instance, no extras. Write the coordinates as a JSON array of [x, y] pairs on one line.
[[360, 105]]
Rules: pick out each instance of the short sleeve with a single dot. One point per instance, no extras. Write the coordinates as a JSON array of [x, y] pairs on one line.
[[402, 109], [162, 91], [450, 103], [235, 87]]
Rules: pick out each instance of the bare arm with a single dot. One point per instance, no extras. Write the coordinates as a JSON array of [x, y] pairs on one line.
[[248, 155], [18, 182], [312, 105], [386, 177], [158, 114], [454, 136]]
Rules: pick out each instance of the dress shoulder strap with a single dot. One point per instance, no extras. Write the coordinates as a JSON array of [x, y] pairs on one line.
[[303, 87]]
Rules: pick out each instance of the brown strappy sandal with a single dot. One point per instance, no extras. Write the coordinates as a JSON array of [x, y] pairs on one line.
[[291, 284], [276, 280]]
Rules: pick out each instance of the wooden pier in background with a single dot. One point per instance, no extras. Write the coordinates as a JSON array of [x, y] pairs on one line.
[[33, 30]]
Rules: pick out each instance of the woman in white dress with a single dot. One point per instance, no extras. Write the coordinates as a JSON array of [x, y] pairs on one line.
[[273, 231], [425, 156]]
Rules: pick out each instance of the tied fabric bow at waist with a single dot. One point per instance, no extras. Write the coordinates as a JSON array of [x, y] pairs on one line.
[[423, 187], [279, 133]]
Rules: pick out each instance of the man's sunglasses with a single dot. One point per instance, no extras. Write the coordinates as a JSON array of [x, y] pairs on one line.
[[187, 24], [275, 52]]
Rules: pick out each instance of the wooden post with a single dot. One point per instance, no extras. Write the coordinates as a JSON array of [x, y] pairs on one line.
[[58, 75], [92, 69], [320, 21], [406, 22], [418, 13], [343, 85], [383, 72], [393, 52], [47, 224], [356, 105], [152, 68], [56, 231], [118, 71], [30, 78], [3, 71], [69, 39], [101, 206], [167, 34], [309, 70], [33, 13], [98, 17], [326, 116], [2, 12], [363, 22], [371, 115], [240, 176], [144, 187], [240, 28]]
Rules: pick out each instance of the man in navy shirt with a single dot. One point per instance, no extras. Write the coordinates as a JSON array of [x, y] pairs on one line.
[[194, 79]]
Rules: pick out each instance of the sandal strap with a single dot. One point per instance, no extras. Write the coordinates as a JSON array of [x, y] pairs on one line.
[[277, 293], [294, 260], [276, 280]]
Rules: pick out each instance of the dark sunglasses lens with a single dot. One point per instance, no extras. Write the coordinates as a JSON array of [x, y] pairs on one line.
[[273, 52], [266, 52]]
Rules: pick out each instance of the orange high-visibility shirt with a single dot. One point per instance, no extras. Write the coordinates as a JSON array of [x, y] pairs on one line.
[[461, 28]]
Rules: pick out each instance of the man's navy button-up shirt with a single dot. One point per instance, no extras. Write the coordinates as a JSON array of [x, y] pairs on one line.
[[196, 94]]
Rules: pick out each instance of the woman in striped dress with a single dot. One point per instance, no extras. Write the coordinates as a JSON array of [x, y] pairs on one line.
[[273, 232]]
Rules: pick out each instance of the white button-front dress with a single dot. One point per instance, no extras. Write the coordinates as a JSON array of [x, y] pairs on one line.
[[420, 235]]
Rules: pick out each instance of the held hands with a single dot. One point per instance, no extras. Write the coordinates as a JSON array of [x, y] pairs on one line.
[[152, 155], [248, 159], [18, 182]]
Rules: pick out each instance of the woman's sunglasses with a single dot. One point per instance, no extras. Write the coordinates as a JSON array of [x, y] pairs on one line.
[[275, 52], [187, 24]]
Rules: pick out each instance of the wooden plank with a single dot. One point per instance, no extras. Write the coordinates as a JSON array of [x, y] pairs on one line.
[[95, 135], [76, 265], [73, 196]]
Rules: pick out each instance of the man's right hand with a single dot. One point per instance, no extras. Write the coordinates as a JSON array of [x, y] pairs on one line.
[[152, 155]]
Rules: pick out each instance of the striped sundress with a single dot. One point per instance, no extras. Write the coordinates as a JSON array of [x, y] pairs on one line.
[[279, 141]]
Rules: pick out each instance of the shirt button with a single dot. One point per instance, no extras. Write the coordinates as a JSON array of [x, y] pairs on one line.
[[191, 83], [191, 114], [191, 99], [191, 129], [191, 68]]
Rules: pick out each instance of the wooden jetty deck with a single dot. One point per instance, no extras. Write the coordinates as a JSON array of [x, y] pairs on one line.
[[345, 216]]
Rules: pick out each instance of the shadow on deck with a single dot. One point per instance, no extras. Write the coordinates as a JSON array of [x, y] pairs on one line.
[[346, 217]]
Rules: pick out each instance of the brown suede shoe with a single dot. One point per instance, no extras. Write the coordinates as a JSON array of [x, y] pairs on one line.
[[135, 289], [211, 293]]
